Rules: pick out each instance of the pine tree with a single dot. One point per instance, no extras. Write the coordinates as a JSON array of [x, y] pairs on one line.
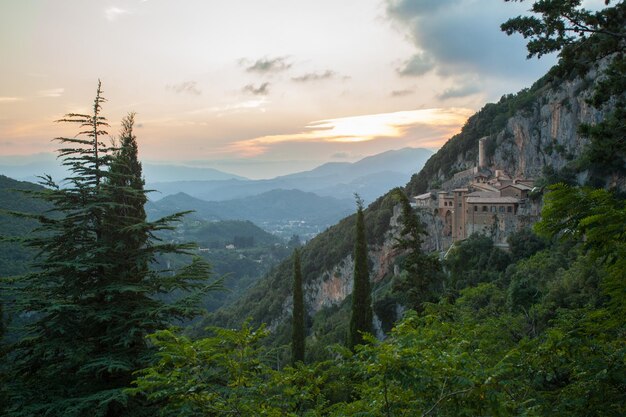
[[361, 318], [93, 298], [423, 272], [298, 331]]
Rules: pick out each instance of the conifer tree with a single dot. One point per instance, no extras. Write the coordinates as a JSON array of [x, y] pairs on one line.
[[298, 331], [361, 318], [423, 272], [93, 298]]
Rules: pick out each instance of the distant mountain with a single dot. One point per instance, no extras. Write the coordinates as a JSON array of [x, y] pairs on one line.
[[158, 173], [272, 206], [28, 168], [405, 161], [218, 234], [370, 177]]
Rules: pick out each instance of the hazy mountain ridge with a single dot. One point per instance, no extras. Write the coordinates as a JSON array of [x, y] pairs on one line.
[[28, 168], [271, 210], [370, 177]]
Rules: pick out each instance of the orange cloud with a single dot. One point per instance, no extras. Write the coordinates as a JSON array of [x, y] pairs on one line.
[[365, 128]]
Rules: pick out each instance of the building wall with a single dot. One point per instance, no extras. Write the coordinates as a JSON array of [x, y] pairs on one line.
[[495, 220], [513, 192]]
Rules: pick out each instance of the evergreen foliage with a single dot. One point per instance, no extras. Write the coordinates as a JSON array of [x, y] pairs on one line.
[[473, 261], [92, 298], [298, 330], [558, 351], [423, 275], [362, 316]]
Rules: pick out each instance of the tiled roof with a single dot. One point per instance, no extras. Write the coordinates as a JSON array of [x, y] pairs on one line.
[[519, 186], [492, 200], [485, 194], [423, 196]]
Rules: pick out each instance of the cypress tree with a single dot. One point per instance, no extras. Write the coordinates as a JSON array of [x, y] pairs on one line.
[[361, 318], [298, 331], [93, 298]]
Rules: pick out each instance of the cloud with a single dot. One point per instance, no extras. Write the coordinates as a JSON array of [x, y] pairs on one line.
[[53, 92], [187, 87], [266, 65], [404, 9], [113, 13], [401, 93], [461, 37], [315, 76], [261, 90], [418, 64], [462, 90], [234, 107], [349, 130], [10, 99]]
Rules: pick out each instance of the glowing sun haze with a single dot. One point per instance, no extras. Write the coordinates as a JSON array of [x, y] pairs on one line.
[[258, 88]]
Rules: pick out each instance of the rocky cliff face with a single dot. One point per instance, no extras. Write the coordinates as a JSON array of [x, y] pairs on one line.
[[547, 134], [331, 287]]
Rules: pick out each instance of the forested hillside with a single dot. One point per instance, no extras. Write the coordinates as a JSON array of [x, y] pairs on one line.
[[14, 258]]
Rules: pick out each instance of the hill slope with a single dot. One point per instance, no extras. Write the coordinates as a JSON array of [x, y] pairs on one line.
[[269, 207], [13, 257]]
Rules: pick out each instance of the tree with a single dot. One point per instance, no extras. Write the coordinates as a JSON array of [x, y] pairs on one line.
[[565, 23], [473, 261], [294, 241], [298, 330], [92, 298], [596, 218], [361, 318], [423, 272]]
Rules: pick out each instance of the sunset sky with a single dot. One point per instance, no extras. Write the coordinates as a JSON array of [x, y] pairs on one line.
[[257, 87]]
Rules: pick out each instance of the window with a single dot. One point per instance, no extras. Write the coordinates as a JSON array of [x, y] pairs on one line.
[[460, 204], [475, 208], [501, 209], [509, 209], [484, 208], [493, 209]]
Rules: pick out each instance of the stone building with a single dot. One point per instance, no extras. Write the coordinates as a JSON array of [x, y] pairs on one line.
[[489, 202]]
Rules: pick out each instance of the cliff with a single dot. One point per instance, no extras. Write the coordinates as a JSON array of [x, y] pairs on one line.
[[527, 132]]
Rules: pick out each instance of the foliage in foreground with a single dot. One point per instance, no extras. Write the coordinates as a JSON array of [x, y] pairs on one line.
[[546, 336], [91, 297]]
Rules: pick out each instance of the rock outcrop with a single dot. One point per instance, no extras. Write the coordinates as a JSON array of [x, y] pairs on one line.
[[547, 133]]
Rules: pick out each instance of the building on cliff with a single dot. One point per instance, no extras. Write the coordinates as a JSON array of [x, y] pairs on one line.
[[480, 200]]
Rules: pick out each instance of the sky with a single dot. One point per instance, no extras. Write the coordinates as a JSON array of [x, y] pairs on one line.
[[257, 87]]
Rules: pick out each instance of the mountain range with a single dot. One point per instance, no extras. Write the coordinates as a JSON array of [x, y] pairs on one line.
[[370, 177], [272, 210]]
